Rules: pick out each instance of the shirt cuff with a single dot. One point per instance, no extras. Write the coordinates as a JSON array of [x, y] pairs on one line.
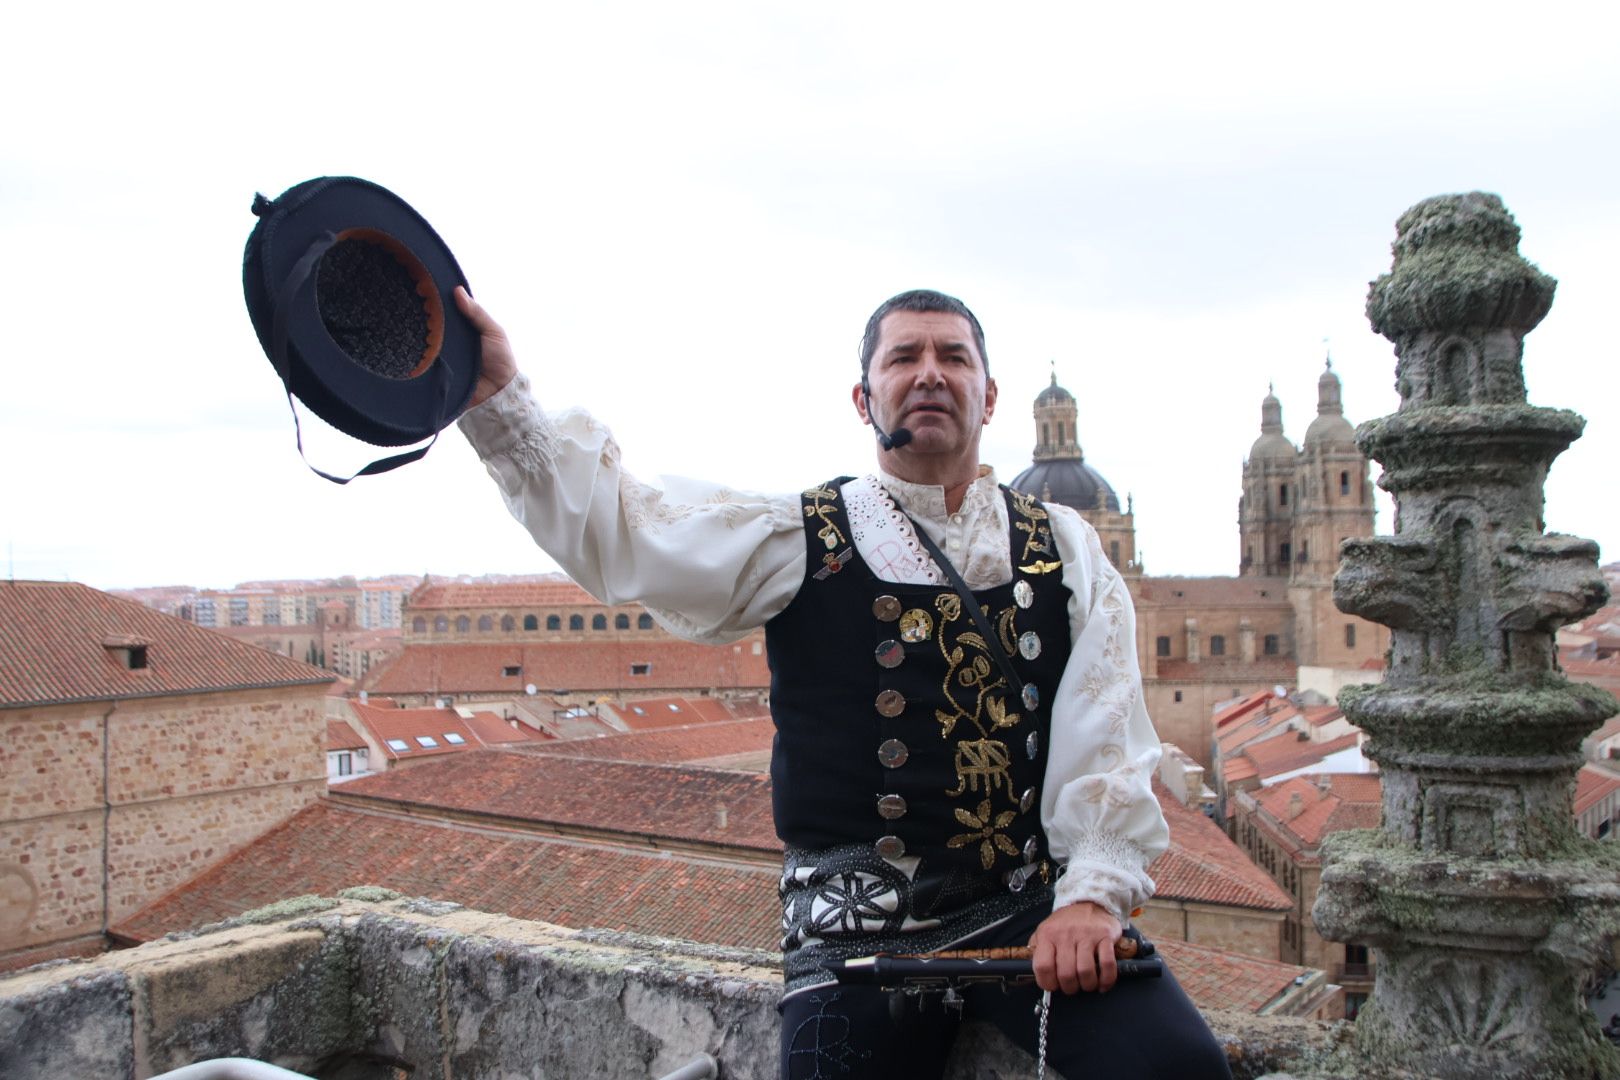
[[1108, 870], [511, 424]]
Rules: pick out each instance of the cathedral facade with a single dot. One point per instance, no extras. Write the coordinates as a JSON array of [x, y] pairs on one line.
[[1205, 640]]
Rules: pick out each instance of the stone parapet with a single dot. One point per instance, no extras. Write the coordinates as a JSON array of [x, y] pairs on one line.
[[358, 985]]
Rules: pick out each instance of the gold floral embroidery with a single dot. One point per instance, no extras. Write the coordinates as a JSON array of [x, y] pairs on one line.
[[982, 762], [1032, 516], [1004, 627], [986, 830], [820, 502]]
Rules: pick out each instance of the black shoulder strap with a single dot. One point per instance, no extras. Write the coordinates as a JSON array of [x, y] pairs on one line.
[[1014, 683], [296, 278]]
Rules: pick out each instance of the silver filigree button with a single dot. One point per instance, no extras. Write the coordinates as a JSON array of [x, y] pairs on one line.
[[886, 608], [1023, 594], [1032, 848], [1029, 646], [891, 807], [890, 654], [890, 847], [1031, 696], [1032, 745], [891, 703], [893, 753], [1026, 800]]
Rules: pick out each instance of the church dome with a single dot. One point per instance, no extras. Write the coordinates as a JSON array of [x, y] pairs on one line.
[[1069, 481], [1330, 426], [1054, 394], [1272, 443]]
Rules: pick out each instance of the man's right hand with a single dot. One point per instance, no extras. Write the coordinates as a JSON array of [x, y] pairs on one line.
[[498, 366]]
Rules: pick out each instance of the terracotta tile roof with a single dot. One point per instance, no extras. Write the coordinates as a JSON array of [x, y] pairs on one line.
[[1287, 753], [329, 847], [1328, 802], [491, 730], [637, 800], [410, 726], [1264, 722], [694, 744], [59, 644], [1214, 591], [557, 593], [1592, 785], [340, 736], [577, 666], [1203, 864], [1218, 979], [1240, 708], [645, 713]]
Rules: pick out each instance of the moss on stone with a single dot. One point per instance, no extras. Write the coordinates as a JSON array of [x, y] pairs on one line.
[[374, 894], [281, 910]]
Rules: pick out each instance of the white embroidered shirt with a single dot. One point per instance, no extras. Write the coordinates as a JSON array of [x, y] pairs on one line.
[[712, 564]]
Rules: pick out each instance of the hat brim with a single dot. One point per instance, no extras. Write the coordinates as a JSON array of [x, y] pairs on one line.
[[375, 408]]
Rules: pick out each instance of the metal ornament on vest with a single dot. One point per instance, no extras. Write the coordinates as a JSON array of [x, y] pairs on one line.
[[907, 770]]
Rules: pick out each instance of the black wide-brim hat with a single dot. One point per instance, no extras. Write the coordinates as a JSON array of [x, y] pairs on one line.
[[350, 293]]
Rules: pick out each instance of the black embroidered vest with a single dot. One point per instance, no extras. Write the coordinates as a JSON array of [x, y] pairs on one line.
[[895, 726]]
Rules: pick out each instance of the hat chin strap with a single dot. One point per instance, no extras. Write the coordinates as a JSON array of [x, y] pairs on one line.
[[297, 278]]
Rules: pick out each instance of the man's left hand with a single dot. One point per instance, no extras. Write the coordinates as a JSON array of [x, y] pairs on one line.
[[1074, 948]]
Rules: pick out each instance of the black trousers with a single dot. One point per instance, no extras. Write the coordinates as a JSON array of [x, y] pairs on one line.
[[1142, 1028]]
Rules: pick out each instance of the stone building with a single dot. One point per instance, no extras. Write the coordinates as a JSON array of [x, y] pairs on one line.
[[1206, 640], [494, 641], [135, 750], [1282, 828]]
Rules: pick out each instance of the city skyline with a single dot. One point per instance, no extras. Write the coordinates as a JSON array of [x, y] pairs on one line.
[[684, 218]]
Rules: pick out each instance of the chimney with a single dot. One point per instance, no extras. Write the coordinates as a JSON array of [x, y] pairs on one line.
[[720, 817], [1296, 805]]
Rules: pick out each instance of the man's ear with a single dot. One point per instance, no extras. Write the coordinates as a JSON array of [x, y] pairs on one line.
[[857, 394], [989, 399]]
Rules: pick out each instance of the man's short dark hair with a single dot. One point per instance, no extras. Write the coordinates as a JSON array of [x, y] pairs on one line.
[[919, 300]]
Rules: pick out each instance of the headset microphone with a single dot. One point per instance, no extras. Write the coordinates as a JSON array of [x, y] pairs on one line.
[[888, 441]]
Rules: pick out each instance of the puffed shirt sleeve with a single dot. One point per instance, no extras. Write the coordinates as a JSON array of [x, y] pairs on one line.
[[1102, 820], [710, 563]]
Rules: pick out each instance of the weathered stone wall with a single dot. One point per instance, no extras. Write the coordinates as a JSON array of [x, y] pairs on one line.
[[106, 806], [444, 992], [1253, 933]]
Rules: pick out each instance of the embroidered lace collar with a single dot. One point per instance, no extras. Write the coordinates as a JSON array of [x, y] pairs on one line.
[[927, 501]]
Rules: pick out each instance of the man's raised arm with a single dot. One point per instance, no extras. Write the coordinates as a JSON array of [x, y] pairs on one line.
[[709, 562]]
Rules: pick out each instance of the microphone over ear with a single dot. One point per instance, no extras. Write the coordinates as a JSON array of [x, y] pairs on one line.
[[894, 441]]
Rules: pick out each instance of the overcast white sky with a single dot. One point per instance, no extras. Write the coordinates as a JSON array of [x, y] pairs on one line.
[[684, 214]]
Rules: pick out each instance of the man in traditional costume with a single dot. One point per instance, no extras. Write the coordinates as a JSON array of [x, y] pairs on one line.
[[942, 777]]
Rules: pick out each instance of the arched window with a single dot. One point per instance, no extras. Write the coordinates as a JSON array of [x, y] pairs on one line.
[[486, 623], [463, 624], [530, 622], [598, 622], [508, 624], [644, 621], [1046, 433], [621, 621], [1282, 494], [554, 622], [419, 625], [1344, 483], [441, 624], [576, 622]]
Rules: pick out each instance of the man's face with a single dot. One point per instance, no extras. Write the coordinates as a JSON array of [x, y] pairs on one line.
[[927, 376]]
